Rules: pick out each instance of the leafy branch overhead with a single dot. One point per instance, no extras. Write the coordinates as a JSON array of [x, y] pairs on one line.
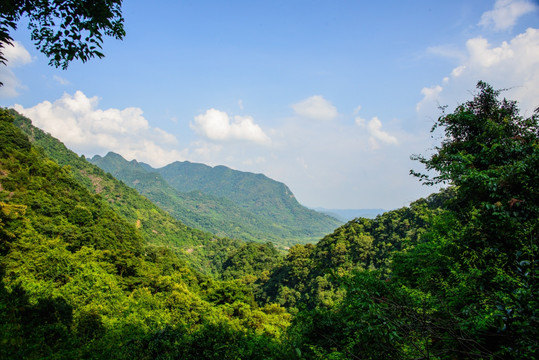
[[63, 30]]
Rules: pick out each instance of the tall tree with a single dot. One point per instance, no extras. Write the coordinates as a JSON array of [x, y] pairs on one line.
[[490, 154], [467, 287]]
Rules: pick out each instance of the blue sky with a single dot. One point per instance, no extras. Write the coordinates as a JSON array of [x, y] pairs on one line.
[[329, 97]]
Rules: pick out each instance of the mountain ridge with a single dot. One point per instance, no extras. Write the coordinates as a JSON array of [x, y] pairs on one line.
[[155, 225], [222, 200]]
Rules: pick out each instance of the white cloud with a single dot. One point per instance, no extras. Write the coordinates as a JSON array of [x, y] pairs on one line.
[[16, 56], [316, 107], [164, 137], [430, 95], [81, 126], [482, 55], [513, 65], [360, 121], [374, 127], [216, 125], [456, 72], [10, 81], [506, 13]]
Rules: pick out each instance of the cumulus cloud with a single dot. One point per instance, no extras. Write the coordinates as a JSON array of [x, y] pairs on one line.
[[506, 13], [217, 125], [482, 55], [16, 55], [374, 127], [78, 122], [316, 107], [513, 64]]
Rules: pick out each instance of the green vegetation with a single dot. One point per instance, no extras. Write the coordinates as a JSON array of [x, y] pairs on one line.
[[452, 276], [222, 201], [310, 275]]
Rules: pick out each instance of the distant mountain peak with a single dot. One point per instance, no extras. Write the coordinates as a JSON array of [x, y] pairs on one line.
[[223, 200]]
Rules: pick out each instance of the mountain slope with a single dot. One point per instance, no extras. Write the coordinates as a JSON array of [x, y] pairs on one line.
[[223, 201], [312, 274], [210, 213], [155, 225], [256, 193]]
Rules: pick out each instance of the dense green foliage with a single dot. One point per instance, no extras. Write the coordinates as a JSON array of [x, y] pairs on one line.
[[251, 261], [468, 288], [311, 275]]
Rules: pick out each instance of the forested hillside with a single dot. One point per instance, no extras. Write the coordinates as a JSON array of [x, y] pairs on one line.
[[219, 214], [79, 281], [157, 227], [467, 287], [259, 195], [310, 275], [453, 276]]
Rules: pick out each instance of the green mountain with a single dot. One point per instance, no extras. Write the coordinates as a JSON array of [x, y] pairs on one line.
[[216, 215], [203, 250], [223, 201]]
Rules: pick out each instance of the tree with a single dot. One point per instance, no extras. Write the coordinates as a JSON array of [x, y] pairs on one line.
[[63, 30], [490, 155]]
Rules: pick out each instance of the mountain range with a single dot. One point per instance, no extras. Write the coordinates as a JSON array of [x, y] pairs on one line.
[[223, 201]]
